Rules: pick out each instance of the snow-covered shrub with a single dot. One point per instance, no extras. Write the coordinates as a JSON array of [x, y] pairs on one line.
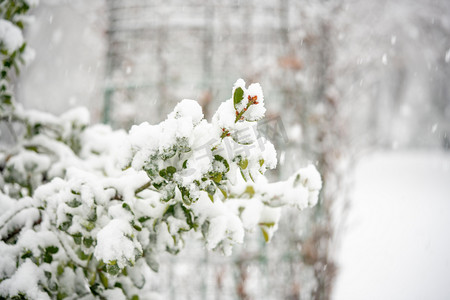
[[86, 210]]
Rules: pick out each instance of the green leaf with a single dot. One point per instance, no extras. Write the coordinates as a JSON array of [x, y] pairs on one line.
[[185, 195], [267, 224], [238, 96], [61, 295], [151, 261], [205, 229], [243, 175], [48, 275], [163, 173], [65, 225], [77, 238], [89, 226], [217, 177], [223, 161], [82, 255], [189, 217], [211, 197], [92, 276], [74, 203], [135, 226], [103, 279], [22, 48], [118, 285], [75, 192], [112, 268], [92, 216], [261, 162], [168, 153], [158, 185], [47, 258], [127, 207], [27, 254], [265, 234], [251, 177], [52, 249], [60, 269], [135, 297], [138, 280], [243, 164], [265, 229], [224, 192], [250, 191], [211, 189], [171, 170], [20, 25], [53, 286], [143, 219], [87, 241]]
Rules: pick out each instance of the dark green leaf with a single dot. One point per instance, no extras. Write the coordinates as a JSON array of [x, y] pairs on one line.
[[74, 203], [103, 279], [171, 170], [77, 238], [223, 161], [163, 173], [48, 275], [135, 226], [127, 207], [47, 258], [87, 241], [61, 295], [52, 249], [238, 96], [143, 219], [92, 216], [27, 254], [112, 269]]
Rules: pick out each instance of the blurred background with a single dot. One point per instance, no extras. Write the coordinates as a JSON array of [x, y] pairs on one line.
[[360, 88]]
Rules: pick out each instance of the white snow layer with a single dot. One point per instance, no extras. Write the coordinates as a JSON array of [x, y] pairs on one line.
[[10, 35], [25, 280], [116, 242], [396, 244]]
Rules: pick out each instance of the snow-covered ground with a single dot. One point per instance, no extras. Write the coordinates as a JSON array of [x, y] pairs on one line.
[[397, 239]]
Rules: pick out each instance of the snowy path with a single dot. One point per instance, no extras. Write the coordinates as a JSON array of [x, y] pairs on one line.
[[397, 242]]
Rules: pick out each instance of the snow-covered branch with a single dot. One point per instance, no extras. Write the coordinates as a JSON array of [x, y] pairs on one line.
[[110, 202]]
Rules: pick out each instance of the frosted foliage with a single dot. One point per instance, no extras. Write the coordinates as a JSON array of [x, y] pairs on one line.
[[89, 209], [14, 52], [116, 242], [25, 280], [188, 109], [10, 35]]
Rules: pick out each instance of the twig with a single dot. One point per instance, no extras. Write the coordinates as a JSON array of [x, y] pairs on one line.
[[143, 187]]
